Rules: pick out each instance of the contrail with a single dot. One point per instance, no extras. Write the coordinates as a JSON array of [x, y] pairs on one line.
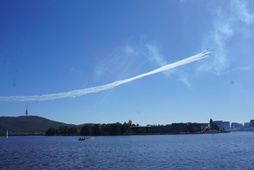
[[77, 93]]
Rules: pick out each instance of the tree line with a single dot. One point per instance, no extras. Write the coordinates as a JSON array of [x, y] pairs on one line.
[[126, 129], [91, 130]]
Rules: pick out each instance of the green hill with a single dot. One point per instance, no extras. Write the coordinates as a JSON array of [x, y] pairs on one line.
[[28, 125]]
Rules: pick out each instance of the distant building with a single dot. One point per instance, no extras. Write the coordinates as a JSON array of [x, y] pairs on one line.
[[219, 123], [226, 125], [223, 125], [252, 123], [235, 125], [247, 124]]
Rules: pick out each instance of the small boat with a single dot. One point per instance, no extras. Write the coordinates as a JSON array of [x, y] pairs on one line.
[[81, 139], [84, 138], [6, 135]]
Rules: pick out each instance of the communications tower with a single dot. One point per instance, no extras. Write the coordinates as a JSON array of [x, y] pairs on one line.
[[26, 110]]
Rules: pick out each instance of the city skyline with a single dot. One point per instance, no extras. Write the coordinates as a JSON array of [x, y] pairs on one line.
[[62, 46]]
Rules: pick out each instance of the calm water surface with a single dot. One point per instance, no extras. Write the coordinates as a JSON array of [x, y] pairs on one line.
[[206, 151]]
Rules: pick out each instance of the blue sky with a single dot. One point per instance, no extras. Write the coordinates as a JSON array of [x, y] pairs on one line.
[[49, 47]]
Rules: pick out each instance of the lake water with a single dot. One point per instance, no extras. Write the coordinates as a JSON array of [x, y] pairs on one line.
[[203, 151]]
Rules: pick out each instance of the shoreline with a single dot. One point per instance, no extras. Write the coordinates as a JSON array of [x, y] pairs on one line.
[[134, 134]]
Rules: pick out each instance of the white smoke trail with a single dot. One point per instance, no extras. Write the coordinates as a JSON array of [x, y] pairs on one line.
[[76, 93]]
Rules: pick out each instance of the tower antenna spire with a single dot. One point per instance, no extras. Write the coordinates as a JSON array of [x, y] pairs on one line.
[[26, 109]]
